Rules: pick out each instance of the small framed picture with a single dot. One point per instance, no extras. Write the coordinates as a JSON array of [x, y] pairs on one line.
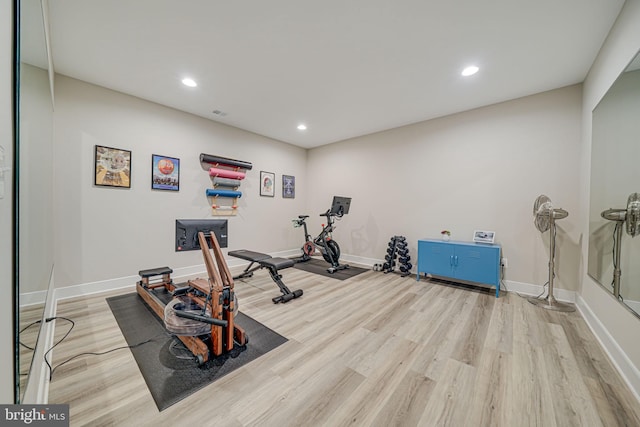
[[165, 173], [267, 187], [288, 187], [481, 236], [112, 167]]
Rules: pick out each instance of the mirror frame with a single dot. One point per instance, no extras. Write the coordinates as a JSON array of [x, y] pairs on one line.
[[14, 220], [608, 224], [33, 88]]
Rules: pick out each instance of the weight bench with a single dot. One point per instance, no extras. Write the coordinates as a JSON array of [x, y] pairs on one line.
[[273, 265]]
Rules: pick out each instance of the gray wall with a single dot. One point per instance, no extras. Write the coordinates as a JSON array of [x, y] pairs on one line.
[[36, 185], [477, 170], [104, 233]]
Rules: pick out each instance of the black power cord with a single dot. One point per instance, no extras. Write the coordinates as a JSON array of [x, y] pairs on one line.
[[24, 374], [88, 353], [49, 319], [24, 329]]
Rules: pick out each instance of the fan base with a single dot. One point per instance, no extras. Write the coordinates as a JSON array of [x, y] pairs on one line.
[[550, 303]]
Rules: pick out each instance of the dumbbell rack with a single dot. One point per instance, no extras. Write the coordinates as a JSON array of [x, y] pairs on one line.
[[399, 251]]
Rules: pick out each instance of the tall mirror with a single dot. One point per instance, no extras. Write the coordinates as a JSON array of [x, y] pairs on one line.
[[35, 171], [614, 216]]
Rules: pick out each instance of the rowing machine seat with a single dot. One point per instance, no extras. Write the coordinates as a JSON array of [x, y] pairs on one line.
[[155, 272]]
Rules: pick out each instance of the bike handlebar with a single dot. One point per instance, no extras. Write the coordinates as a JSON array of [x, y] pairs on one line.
[[328, 214]]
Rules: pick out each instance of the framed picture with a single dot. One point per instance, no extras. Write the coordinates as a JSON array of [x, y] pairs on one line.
[[481, 236], [288, 187], [165, 173], [112, 167], [267, 180]]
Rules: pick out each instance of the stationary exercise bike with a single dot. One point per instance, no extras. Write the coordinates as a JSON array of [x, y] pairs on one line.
[[328, 247]]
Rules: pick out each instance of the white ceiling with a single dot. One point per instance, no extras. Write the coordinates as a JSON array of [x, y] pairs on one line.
[[345, 68]]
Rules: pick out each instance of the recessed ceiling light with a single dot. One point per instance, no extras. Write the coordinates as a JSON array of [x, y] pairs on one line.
[[302, 126], [189, 82], [469, 71]]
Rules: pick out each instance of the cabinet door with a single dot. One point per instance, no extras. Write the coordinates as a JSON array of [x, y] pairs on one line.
[[477, 264], [435, 258]]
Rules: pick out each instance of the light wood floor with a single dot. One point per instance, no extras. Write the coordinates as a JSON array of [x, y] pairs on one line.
[[374, 350]]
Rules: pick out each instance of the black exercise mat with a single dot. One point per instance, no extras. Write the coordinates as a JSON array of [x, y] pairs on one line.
[[168, 367], [319, 266]]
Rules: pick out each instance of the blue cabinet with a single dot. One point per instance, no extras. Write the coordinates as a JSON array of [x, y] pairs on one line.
[[462, 261]]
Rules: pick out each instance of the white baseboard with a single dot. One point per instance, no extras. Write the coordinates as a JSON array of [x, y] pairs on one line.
[[369, 262], [535, 290], [629, 372], [512, 286], [100, 286], [179, 274], [633, 305], [32, 298]]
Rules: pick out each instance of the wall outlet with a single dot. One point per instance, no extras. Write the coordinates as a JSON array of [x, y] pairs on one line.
[[504, 262]]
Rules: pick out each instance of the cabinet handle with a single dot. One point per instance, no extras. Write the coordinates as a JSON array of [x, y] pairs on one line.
[[456, 260], [451, 260]]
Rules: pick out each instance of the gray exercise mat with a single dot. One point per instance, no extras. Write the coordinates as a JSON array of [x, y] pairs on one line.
[[169, 368], [319, 266]]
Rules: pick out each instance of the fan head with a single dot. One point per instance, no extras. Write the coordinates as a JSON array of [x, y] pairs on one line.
[[540, 206], [614, 214], [545, 214], [633, 214], [630, 215]]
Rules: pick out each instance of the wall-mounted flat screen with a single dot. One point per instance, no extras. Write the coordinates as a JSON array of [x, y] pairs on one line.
[[187, 233], [340, 205]]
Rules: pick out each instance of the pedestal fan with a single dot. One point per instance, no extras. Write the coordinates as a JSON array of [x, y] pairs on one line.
[[630, 216], [545, 216]]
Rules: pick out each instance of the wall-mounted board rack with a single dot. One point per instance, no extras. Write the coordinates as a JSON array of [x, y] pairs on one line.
[[226, 176]]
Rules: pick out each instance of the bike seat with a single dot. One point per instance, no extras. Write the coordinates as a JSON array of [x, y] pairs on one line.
[[303, 216]]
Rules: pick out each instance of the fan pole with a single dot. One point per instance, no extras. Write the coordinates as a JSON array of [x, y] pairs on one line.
[[617, 271], [549, 302]]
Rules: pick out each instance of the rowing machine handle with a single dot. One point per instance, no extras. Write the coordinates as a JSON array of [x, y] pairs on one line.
[[200, 318]]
